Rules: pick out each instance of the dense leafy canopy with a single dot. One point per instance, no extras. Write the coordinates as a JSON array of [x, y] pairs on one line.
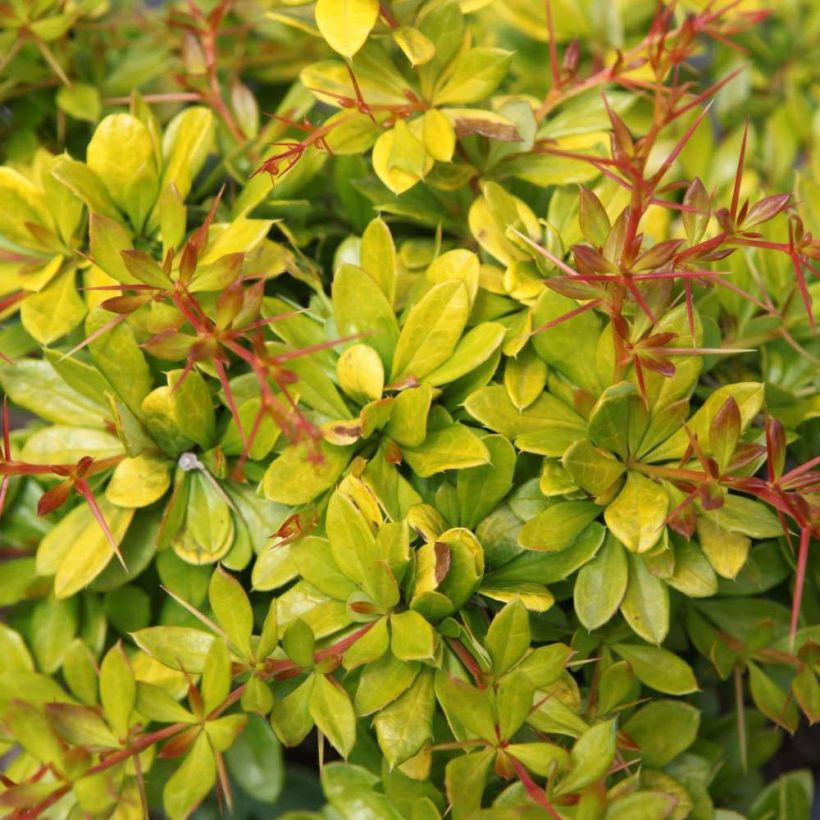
[[439, 376]]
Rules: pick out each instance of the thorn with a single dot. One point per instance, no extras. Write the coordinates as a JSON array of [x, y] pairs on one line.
[[85, 491]]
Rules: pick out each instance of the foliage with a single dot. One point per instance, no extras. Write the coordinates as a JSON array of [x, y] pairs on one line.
[[463, 409]]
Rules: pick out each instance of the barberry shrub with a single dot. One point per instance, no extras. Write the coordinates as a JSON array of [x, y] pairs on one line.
[[430, 386]]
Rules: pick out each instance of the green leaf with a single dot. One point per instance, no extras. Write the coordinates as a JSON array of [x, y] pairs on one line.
[[216, 676], [432, 330], [570, 346], [646, 603], [593, 219], [474, 349], [513, 702], [790, 795], [53, 627], [291, 716], [21, 202], [663, 729], [806, 690], [550, 567], [465, 778], [67, 445], [191, 782], [619, 419], [558, 526], [159, 414], [775, 703], [85, 185], [352, 537], [658, 668], [601, 584], [255, 761], [469, 711], [618, 685], [299, 642], [643, 804], [79, 672], [232, 608], [452, 448], [590, 758], [14, 650], [408, 419], [119, 358], [34, 385], [32, 732], [508, 637], [178, 647], [525, 377], [352, 795], [316, 564], [547, 427], [591, 468], [544, 665], [80, 726], [399, 158], [118, 689], [155, 703], [378, 254], [331, 709], [108, 239], [208, 530], [144, 269], [403, 727], [193, 406], [747, 516], [223, 731], [637, 515], [474, 75], [369, 647], [412, 637], [382, 682], [360, 306], [480, 489], [693, 575], [293, 478]]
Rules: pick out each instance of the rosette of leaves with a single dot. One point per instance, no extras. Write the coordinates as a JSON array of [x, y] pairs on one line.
[[387, 395], [410, 94], [112, 199]]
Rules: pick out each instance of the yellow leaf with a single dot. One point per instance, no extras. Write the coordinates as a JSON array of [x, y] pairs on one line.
[[138, 481], [636, 517], [416, 47], [55, 311], [400, 159], [88, 552], [345, 24], [439, 135], [727, 551]]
